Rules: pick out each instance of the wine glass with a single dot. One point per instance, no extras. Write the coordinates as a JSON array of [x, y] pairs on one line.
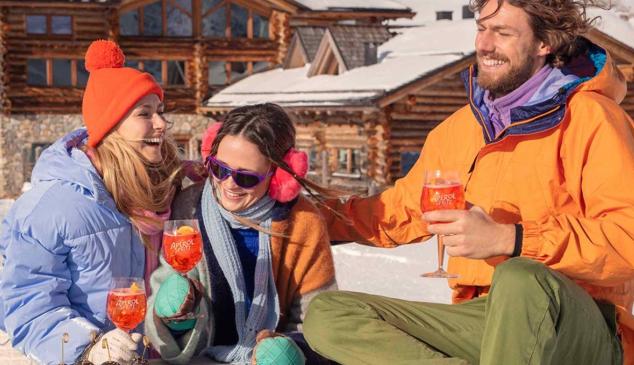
[[127, 302], [442, 190], [182, 244]]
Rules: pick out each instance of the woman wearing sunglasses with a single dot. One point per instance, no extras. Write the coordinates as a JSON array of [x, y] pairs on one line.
[[99, 195], [266, 249]]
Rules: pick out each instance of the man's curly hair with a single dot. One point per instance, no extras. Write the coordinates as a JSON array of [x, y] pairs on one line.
[[557, 23]]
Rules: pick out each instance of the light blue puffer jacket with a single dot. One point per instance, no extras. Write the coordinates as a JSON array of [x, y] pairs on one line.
[[61, 244]]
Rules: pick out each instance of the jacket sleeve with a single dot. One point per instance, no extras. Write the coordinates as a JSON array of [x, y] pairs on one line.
[[175, 348], [34, 286], [390, 218], [315, 272], [596, 246]]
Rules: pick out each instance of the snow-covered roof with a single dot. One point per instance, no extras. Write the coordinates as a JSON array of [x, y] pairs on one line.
[[409, 56], [618, 22], [613, 23], [324, 5]]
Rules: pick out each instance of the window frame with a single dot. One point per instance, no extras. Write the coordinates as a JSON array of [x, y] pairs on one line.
[[164, 70], [353, 169], [49, 26], [48, 62], [197, 23]]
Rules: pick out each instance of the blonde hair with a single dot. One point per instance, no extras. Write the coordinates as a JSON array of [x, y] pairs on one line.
[[136, 183]]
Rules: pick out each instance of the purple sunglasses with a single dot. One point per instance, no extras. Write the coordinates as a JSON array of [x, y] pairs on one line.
[[244, 179]]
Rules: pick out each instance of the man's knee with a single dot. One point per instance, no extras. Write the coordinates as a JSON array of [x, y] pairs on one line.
[[519, 273]]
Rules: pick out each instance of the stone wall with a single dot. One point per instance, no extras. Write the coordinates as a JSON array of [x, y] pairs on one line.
[[22, 138]]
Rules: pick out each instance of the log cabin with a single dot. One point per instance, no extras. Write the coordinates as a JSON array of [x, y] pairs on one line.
[[194, 48]]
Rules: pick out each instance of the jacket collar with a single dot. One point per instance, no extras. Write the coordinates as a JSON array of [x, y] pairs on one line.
[[537, 117]]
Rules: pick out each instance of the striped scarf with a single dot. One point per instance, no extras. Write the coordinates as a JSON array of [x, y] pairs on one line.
[[265, 309]]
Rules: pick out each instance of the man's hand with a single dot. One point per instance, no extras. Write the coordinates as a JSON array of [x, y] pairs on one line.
[[471, 233]]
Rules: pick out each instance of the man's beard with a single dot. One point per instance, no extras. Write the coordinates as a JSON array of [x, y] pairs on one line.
[[507, 82]]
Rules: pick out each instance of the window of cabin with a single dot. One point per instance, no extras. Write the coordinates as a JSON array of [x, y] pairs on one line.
[[132, 64], [467, 13], [182, 145], [348, 162], [239, 19], [408, 159], [444, 15], [171, 18], [129, 23], [36, 72], [61, 25], [61, 73], [261, 66], [49, 24], [239, 70], [82, 74], [36, 24], [155, 69], [165, 72], [176, 73], [56, 72], [179, 18], [260, 26], [153, 19], [217, 73], [214, 20]]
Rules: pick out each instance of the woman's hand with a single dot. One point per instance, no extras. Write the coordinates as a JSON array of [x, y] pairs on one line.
[[121, 347]]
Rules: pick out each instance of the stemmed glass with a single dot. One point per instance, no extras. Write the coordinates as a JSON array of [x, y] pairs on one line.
[[182, 244], [127, 302], [442, 190]]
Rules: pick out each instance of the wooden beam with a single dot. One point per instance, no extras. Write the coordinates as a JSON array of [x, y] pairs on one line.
[[615, 47], [250, 25], [127, 5], [628, 72], [428, 79], [196, 19], [353, 14], [56, 5]]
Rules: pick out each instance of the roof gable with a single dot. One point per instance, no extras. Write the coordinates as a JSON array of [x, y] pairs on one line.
[[345, 45]]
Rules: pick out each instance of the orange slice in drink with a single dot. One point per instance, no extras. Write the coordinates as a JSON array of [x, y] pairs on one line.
[[185, 230], [134, 287]]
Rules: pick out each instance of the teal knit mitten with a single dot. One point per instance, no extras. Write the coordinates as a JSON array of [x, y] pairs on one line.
[[278, 350], [176, 300]]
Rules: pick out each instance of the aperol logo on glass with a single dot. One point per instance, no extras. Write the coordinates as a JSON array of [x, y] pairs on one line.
[[443, 200]]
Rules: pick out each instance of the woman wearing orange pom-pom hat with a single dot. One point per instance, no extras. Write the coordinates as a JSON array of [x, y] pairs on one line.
[[99, 195]]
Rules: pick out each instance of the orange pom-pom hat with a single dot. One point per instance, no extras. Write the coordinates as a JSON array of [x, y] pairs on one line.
[[112, 89]]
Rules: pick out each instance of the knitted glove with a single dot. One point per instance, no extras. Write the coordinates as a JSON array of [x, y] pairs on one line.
[[274, 349], [121, 347], [176, 301]]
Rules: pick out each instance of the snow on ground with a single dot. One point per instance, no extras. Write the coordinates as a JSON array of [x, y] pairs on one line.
[[392, 272]]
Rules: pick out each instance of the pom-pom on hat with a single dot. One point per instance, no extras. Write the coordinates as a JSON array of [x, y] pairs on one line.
[[112, 89]]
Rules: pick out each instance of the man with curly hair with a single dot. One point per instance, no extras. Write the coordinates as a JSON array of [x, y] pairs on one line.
[[545, 251]]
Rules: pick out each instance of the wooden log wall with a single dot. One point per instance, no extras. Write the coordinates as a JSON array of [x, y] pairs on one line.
[[414, 116], [5, 102], [101, 22], [88, 23]]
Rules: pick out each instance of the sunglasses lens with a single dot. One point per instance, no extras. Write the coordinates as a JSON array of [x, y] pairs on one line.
[[246, 180], [220, 172]]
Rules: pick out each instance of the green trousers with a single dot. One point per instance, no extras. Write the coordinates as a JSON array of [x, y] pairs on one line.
[[532, 315]]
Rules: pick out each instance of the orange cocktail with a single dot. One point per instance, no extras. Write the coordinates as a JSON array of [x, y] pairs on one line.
[[442, 190], [182, 245], [126, 306]]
